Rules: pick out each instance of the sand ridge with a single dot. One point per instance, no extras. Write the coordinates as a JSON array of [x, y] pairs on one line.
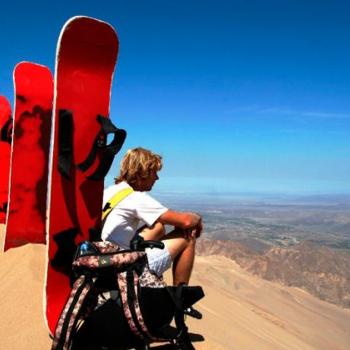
[[241, 311]]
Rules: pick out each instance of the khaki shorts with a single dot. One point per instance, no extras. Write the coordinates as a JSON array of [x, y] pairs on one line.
[[159, 260]]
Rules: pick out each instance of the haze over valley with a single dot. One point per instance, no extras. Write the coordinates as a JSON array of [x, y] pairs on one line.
[[262, 220], [299, 241]]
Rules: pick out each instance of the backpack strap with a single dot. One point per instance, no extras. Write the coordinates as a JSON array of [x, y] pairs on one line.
[[128, 283], [95, 233], [70, 315], [114, 201]]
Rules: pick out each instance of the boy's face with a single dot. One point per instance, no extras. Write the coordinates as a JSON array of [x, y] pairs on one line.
[[147, 183]]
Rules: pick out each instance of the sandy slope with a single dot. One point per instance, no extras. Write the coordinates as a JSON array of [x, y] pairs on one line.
[[240, 311], [245, 312]]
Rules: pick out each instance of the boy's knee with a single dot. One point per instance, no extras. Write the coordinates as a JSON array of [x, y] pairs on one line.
[[159, 227], [155, 232], [191, 240]]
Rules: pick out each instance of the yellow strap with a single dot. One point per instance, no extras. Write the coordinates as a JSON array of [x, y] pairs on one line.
[[113, 202]]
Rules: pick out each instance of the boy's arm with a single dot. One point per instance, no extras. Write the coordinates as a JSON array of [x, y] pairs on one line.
[[183, 220]]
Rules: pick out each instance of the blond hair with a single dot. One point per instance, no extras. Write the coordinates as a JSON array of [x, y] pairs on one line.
[[138, 163]]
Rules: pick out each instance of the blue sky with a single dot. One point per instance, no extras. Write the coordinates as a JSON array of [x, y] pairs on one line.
[[236, 95]]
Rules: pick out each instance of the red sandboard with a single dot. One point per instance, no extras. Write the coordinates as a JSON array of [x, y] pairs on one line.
[[29, 155], [5, 151], [86, 55]]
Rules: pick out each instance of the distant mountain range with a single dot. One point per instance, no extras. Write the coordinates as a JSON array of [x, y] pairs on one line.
[[320, 270]]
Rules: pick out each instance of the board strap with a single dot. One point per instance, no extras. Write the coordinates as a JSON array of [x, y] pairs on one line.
[[108, 152], [6, 131], [183, 339], [65, 142]]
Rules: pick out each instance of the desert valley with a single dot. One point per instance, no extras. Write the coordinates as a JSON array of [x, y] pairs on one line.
[[275, 273]]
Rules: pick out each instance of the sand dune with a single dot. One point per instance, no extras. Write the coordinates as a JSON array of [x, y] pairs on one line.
[[240, 311], [245, 312]]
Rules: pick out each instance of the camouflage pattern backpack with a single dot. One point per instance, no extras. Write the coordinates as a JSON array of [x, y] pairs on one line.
[[116, 302]]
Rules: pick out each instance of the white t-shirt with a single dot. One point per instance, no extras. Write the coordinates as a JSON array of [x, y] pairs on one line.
[[134, 211]]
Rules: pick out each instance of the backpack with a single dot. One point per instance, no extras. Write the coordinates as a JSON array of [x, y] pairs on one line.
[[117, 302]]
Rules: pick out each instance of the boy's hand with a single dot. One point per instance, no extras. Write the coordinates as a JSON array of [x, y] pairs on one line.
[[194, 232], [199, 228]]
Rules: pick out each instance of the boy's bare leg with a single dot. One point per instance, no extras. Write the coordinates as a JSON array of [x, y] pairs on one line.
[[182, 251], [183, 264], [180, 247]]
